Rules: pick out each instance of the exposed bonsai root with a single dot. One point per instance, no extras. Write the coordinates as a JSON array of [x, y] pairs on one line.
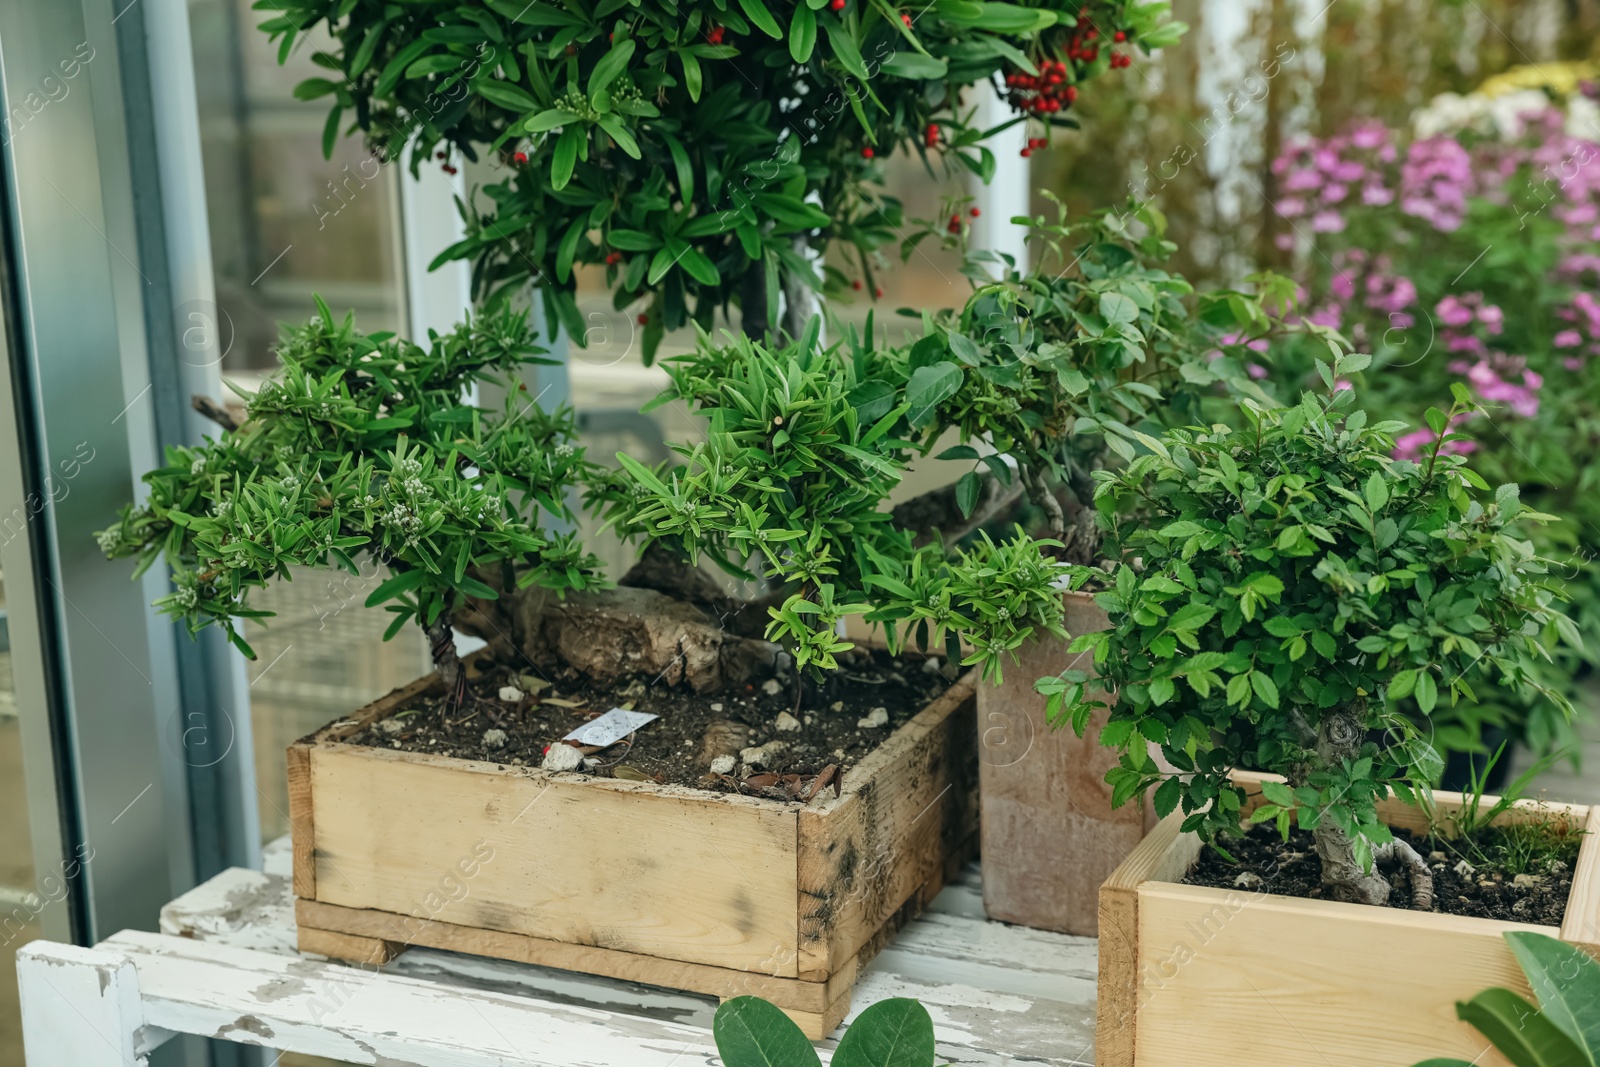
[[612, 634], [1400, 852]]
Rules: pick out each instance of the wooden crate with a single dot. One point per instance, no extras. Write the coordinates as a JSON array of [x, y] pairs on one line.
[[1050, 836], [1231, 978], [664, 885]]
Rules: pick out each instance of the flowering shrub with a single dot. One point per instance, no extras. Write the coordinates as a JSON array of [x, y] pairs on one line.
[[1469, 253]]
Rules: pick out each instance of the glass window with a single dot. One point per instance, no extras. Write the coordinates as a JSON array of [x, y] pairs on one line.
[[287, 223], [19, 900]]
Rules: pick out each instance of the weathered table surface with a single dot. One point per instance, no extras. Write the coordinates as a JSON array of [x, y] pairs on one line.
[[225, 965]]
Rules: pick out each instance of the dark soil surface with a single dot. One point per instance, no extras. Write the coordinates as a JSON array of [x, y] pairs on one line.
[[1291, 869], [673, 749]]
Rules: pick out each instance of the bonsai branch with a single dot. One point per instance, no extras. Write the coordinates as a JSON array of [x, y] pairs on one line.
[[442, 647], [936, 513], [214, 411]]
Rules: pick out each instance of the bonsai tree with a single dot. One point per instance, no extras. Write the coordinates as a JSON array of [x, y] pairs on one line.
[[363, 447], [1073, 366], [803, 446], [1281, 586], [696, 151]]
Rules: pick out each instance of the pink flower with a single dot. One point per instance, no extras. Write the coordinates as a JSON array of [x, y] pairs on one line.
[[1568, 339], [1327, 222], [1454, 312], [1256, 371]]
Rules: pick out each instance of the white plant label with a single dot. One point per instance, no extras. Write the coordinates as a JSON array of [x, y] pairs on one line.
[[610, 728]]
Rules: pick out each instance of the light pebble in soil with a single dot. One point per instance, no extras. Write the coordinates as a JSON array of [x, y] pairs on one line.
[[562, 757], [510, 694], [875, 718], [494, 739]]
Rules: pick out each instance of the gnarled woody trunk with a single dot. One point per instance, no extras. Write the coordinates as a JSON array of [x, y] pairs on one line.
[[1339, 738]]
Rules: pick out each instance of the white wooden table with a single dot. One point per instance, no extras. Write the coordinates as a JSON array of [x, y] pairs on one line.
[[224, 965]]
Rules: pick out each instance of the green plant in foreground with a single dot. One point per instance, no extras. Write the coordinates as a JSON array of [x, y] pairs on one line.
[[1562, 1030], [750, 1032], [363, 446], [1281, 586]]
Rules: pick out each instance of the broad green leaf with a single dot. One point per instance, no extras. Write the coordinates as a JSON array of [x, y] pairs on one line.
[[802, 33], [611, 65], [753, 1033], [757, 13], [1566, 981], [1520, 1031], [916, 66], [968, 486], [891, 1033], [1377, 492], [506, 95], [565, 156]]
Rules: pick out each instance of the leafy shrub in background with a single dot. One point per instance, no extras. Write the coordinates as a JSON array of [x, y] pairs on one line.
[[1073, 365], [1285, 584], [695, 150], [1469, 254]]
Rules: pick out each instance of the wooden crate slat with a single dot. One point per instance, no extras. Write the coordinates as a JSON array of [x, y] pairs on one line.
[[556, 858]]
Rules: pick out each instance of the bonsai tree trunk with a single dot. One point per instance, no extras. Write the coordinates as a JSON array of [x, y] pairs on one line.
[[442, 647], [1344, 878]]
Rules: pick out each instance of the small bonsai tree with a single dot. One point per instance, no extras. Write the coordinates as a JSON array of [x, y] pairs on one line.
[[363, 446], [696, 150], [1072, 366], [803, 446], [1281, 586]]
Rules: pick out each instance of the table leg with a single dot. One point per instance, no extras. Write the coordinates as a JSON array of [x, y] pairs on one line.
[[80, 1008]]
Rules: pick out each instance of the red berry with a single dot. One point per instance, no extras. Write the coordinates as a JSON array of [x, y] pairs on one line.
[[837, 5], [1026, 152], [448, 169], [1072, 94], [974, 213], [1092, 34], [905, 17], [440, 155], [954, 227], [1119, 37], [856, 284], [866, 153], [878, 292], [520, 157], [643, 319]]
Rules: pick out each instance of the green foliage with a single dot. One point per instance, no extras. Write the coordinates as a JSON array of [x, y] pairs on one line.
[[750, 1032], [1078, 362], [685, 146], [1562, 1030], [1524, 847], [802, 447], [363, 446], [1282, 576]]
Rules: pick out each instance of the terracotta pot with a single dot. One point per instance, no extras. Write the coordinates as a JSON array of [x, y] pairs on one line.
[[1049, 834]]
